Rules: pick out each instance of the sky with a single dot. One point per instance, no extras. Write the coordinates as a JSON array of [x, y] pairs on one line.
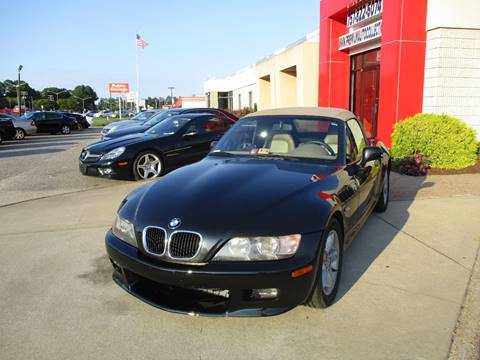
[[71, 42]]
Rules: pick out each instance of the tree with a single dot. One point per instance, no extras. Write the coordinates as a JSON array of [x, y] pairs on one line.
[[168, 100], [85, 92], [70, 104], [52, 91], [108, 104], [154, 102], [43, 104], [10, 87]]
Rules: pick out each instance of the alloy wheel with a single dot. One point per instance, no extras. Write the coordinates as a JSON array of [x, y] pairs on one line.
[[19, 134], [148, 166], [330, 262], [65, 129]]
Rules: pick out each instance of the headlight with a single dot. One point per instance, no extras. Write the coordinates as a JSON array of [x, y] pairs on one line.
[[124, 230], [114, 153], [259, 248]]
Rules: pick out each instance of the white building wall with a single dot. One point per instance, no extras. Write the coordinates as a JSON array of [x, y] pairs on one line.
[[453, 14], [244, 93], [241, 82], [194, 104], [452, 60]]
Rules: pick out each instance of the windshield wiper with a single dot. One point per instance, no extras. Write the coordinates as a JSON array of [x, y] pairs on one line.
[[274, 157], [221, 153]]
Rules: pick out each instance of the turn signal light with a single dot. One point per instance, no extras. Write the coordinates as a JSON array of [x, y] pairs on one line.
[[302, 271], [123, 163]]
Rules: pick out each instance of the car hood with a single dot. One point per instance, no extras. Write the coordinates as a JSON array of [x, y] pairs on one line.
[[122, 124], [224, 197], [107, 145], [115, 133]]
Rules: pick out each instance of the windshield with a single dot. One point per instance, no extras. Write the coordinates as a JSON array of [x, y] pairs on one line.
[[288, 137], [143, 116], [169, 126], [154, 120]]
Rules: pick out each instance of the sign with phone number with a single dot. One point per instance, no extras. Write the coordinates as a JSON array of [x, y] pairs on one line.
[[365, 12]]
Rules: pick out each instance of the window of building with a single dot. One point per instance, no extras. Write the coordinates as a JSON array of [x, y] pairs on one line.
[[240, 101], [225, 100], [250, 100]]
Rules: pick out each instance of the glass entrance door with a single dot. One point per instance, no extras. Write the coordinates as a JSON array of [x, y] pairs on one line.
[[364, 84]]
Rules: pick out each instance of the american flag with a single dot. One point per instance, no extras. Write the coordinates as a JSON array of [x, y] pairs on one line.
[[141, 43]]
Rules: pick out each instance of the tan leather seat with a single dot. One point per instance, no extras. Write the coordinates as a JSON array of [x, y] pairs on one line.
[[332, 141], [282, 143]]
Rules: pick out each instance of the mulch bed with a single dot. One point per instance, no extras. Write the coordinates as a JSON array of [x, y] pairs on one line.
[[475, 169]]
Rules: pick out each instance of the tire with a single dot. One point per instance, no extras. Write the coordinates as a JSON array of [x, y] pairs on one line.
[[147, 165], [65, 130], [20, 134], [323, 295], [1, 138], [80, 126], [382, 203]]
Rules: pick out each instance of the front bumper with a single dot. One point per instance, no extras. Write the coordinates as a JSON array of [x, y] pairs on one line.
[[99, 169], [215, 289]]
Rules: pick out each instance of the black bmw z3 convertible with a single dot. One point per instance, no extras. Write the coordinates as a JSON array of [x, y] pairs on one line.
[[260, 225]]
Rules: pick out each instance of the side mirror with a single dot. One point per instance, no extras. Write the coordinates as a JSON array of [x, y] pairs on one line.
[[371, 153], [213, 144]]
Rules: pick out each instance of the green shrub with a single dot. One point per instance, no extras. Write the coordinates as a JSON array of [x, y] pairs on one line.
[[447, 141]]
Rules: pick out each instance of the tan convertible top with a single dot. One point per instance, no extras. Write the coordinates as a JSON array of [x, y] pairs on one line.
[[336, 113]]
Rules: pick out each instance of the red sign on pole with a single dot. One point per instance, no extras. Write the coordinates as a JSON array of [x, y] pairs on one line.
[[121, 88]]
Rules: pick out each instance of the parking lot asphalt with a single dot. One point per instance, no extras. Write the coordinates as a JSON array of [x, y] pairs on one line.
[[402, 289], [44, 165]]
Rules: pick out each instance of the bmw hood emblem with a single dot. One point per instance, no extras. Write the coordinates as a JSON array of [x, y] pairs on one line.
[[174, 223]]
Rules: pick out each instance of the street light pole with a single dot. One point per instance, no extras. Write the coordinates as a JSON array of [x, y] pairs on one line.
[[56, 94], [171, 94], [18, 91], [83, 101]]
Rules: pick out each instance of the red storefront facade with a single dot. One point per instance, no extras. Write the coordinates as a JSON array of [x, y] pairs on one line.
[[380, 80]]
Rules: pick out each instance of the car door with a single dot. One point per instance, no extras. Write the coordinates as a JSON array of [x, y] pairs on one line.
[[54, 121], [183, 148], [348, 192], [365, 175], [40, 122]]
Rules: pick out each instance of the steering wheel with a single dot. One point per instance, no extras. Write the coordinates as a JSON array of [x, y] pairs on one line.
[[327, 147]]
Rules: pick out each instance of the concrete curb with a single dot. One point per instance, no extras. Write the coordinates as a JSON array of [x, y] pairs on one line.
[[466, 336]]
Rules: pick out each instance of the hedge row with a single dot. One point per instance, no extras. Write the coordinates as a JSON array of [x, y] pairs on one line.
[[448, 142]]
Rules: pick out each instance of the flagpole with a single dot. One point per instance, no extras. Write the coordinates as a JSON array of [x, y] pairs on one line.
[[137, 95]]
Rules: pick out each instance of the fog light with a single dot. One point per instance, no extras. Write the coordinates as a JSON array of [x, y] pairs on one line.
[[269, 293]]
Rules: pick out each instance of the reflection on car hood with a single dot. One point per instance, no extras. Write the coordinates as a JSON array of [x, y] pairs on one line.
[[240, 196], [105, 146], [122, 124], [115, 133]]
